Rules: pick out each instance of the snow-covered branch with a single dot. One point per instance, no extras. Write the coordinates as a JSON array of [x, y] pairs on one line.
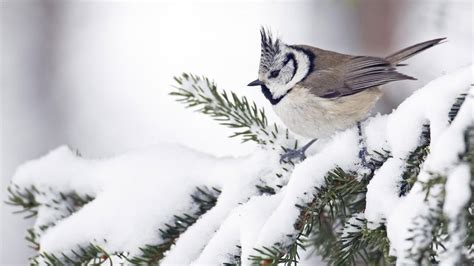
[[175, 205]]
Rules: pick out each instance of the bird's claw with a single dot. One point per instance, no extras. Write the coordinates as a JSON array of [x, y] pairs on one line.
[[365, 160], [292, 154], [364, 157]]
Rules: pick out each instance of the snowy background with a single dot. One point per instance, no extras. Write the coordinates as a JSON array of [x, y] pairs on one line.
[[95, 75]]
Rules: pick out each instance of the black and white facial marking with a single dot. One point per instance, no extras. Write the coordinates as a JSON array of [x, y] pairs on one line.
[[281, 67]]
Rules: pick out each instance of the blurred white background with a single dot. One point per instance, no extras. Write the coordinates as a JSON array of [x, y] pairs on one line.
[[95, 74]]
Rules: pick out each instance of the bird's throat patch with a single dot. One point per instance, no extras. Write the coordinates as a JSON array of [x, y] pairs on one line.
[[266, 92]]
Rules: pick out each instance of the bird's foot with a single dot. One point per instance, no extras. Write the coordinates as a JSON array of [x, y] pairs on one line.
[[365, 159], [363, 153], [291, 154]]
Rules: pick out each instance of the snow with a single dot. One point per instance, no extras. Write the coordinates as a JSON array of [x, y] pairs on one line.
[[267, 220], [375, 132], [442, 160], [194, 240], [137, 178], [341, 151], [457, 197], [145, 188], [431, 104], [240, 228], [457, 191]]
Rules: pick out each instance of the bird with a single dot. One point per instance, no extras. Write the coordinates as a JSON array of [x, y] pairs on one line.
[[318, 92]]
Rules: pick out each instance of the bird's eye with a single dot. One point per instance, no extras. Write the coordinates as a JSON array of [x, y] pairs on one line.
[[274, 73]]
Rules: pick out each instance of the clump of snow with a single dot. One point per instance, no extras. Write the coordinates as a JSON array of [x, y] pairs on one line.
[[46, 176], [457, 197], [457, 191], [191, 243], [125, 188], [431, 104], [442, 161], [375, 132], [241, 227]]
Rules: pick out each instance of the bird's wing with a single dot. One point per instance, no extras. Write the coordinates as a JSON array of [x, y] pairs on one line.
[[352, 75]]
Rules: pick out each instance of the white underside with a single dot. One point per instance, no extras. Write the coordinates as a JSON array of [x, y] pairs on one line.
[[315, 117]]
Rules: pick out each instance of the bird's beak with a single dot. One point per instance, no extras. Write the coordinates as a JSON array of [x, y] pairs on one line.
[[256, 83]]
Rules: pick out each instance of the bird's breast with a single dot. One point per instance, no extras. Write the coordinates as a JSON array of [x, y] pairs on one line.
[[313, 117]]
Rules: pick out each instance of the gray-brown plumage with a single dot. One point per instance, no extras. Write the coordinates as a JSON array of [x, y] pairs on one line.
[[316, 92], [347, 75]]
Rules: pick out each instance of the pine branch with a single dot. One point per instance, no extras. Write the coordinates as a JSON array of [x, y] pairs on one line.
[[469, 243], [249, 122], [23, 198], [341, 195], [64, 204], [336, 205], [230, 110], [469, 214], [26, 200], [206, 199], [151, 254], [415, 161], [88, 255], [358, 244], [429, 232], [32, 238], [277, 254], [453, 112], [417, 157]]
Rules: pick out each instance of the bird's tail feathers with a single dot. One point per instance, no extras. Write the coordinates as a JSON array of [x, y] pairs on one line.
[[408, 52]]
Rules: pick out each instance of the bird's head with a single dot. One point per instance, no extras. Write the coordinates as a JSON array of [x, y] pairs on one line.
[[281, 65]]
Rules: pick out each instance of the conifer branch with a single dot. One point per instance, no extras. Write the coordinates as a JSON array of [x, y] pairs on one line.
[[332, 223], [205, 198], [26, 199], [151, 254], [343, 195], [250, 122]]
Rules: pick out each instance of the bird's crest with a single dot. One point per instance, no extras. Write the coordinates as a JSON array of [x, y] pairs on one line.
[[270, 48]]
